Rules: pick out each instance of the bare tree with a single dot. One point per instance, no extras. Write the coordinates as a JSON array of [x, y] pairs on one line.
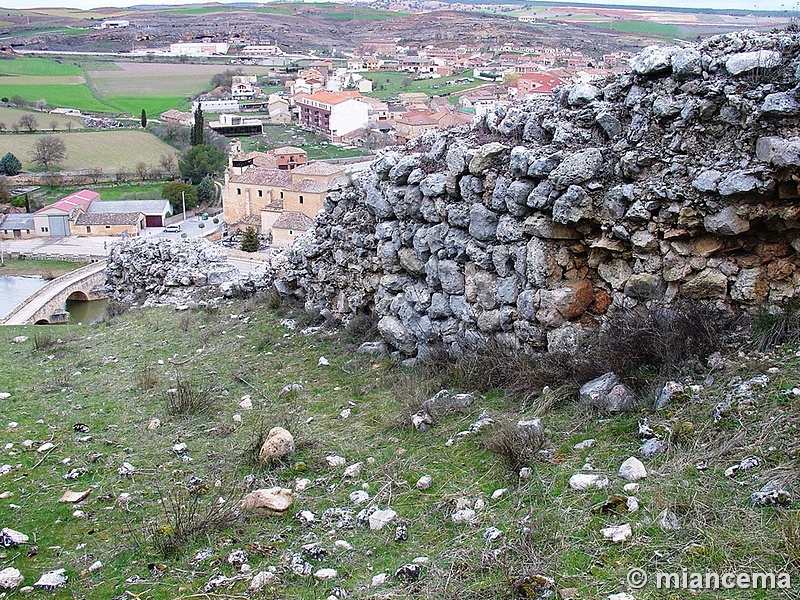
[[53, 125], [95, 174], [70, 125], [141, 170], [28, 121], [49, 151], [2, 126], [169, 165]]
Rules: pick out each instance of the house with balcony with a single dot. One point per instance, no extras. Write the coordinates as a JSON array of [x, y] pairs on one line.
[[235, 125], [332, 114]]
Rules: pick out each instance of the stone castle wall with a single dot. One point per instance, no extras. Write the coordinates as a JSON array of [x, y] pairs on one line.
[[676, 181]]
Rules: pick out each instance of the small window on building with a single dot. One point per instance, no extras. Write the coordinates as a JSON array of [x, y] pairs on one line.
[[88, 230], [260, 193], [291, 232], [108, 226], [45, 229], [281, 195], [300, 198], [238, 191]]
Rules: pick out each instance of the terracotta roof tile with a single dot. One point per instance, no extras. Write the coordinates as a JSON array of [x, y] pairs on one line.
[[294, 220]]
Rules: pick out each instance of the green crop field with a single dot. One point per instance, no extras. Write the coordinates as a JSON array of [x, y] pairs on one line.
[[111, 151], [648, 27], [324, 9], [38, 67], [388, 84], [64, 96]]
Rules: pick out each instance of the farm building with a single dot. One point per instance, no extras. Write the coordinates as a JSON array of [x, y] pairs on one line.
[[16, 226], [118, 223], [198, 48], [154, 211], [83, 213], [216, 106], [53, 220]]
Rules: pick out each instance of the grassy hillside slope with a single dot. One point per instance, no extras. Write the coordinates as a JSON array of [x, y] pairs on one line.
[[93, 392]]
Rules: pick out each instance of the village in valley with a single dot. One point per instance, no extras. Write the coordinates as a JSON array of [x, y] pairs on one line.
[[377, 93]]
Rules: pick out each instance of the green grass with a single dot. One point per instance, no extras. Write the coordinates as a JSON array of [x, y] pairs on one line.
[[112, 377], [317, 147], [9, 116], [324, 10], [65, 96], [126, 191], [39, 67], [388, 84], [48, 268], [110, 150], [633, 26]]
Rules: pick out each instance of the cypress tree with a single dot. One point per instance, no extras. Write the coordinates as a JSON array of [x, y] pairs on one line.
[[250, 241], [144, 118], [196, 138]]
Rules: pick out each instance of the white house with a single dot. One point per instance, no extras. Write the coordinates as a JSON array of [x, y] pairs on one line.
[[216, 106], [333, 114]]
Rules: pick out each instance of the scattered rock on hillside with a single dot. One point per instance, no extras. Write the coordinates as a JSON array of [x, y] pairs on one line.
[[632, 469], [608, 394], [10, 538], [268, 500], [10, 578], [74, 497], [617, 533], [585, 481], [408, 573], [535, 586], [652, 447], [668, 520], [771, 498], [261, 580], [278, 445], [52, 581], [380, 518], [424, 482]]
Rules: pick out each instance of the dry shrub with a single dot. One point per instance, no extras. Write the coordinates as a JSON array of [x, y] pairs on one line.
[[518, 446], [189, 398], [188, 516], [639, 345], [148, 378], [44, 340], [772, 330]]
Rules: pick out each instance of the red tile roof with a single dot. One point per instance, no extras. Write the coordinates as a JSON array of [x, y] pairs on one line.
[[81, 198]]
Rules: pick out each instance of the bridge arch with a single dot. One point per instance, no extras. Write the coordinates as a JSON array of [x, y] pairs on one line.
[[79, 296], [42, 322]]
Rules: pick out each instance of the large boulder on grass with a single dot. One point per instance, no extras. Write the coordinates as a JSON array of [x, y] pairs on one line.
[[608, 394], [278, 445]]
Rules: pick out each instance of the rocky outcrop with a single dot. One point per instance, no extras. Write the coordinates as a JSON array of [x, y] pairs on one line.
[[153, 271], [675, 181]]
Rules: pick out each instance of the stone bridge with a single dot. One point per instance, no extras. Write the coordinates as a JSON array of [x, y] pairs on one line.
[[46, 305]]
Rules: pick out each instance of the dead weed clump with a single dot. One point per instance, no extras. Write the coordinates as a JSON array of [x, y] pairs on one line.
[[187, 516], [517, 442], [189, 398], [640, 345]]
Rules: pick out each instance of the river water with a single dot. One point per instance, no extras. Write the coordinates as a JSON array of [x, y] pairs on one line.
[[14, 289]]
